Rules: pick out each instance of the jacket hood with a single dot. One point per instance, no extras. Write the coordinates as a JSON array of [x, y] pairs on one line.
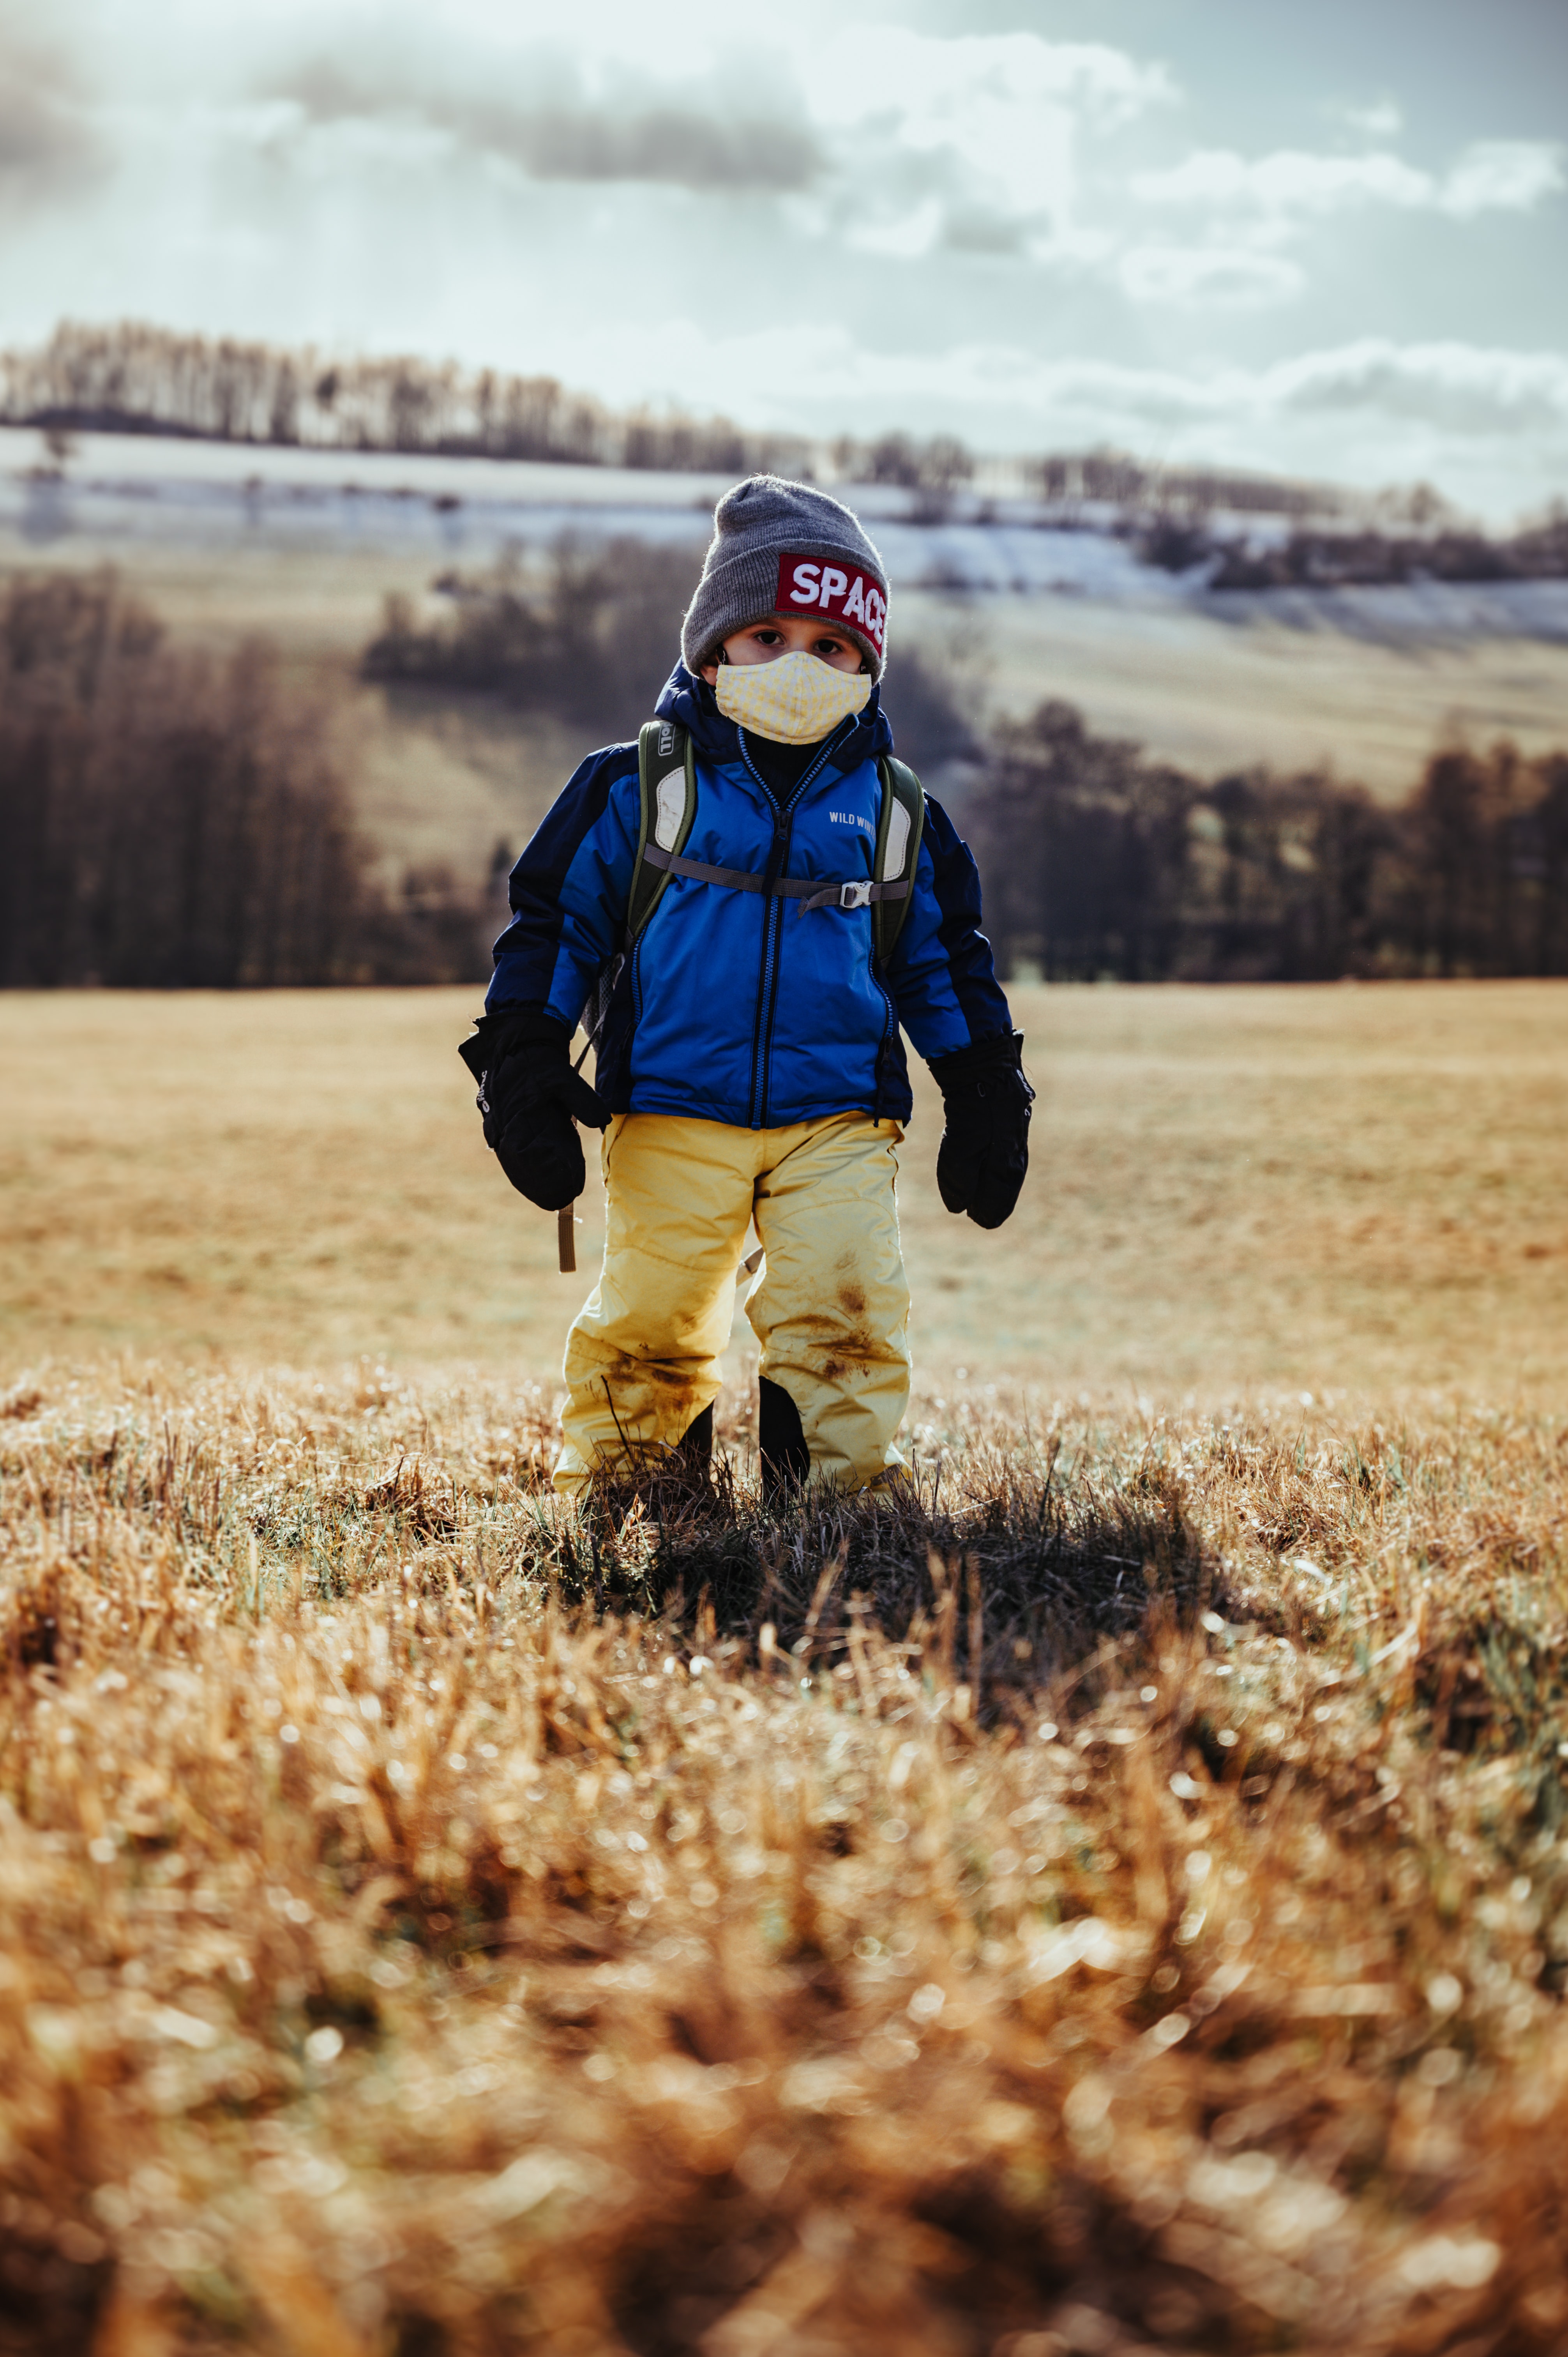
[[691, 703]]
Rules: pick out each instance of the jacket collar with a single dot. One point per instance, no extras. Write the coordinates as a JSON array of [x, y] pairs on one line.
[[694, 705]]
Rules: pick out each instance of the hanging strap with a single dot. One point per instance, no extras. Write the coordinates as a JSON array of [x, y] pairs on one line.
[[857, 892], [667, 799], [897, 857]]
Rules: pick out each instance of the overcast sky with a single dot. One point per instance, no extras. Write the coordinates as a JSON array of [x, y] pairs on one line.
[[1331, 238]]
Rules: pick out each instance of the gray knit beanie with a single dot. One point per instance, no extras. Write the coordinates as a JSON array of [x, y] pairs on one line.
[[783, 548]]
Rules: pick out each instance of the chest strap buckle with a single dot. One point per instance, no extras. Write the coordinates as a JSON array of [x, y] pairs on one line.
[[856, 895]]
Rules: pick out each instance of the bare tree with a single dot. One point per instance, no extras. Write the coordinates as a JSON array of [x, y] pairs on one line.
[[167, 821]]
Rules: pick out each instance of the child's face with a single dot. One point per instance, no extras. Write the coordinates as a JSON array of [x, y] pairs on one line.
[[786, 634]]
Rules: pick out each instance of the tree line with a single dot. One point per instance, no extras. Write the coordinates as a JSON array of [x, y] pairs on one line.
[[1098, 862], [588, 632], [1318, 559], [134, 378], [167, 821], [131, 377]]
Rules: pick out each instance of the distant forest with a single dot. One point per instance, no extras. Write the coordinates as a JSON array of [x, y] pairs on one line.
[[1319, 559], [167, 821], [588, 634], [134, 377], [1099, 863]]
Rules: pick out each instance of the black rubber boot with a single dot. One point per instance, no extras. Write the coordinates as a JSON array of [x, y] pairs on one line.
[[780, 1441], [695, 1450]]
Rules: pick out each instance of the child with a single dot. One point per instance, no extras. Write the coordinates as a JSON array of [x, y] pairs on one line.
[[749, 1064]]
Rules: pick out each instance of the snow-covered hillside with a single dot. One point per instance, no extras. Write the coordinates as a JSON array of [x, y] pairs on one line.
[[141, 488]]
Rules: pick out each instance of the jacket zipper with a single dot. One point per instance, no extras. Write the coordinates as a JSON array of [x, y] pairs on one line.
[[772, 930], [888, 1021], [637, 978], [770, 908]]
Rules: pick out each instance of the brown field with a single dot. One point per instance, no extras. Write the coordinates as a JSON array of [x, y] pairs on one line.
[[1144, 1929], [1237, 1192], [1110, 1897], [1211, 696]]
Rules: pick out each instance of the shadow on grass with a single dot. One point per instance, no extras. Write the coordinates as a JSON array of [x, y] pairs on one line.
[[1011, 1584]]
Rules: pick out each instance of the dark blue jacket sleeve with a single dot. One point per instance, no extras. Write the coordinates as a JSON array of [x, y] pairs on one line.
[[941, 974], [569, 891]]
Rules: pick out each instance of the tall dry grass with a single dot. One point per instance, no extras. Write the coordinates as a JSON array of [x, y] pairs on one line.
[[1112, 1898]]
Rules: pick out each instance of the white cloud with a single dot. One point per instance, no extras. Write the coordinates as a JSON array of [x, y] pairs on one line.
[[1463, 388], [1383, 121], [970, 91], [1460, 387], [973, 143], [1216, 276], [1490, 425], [1290, 181], [1502, 176], [1511, 175], [911, 142]]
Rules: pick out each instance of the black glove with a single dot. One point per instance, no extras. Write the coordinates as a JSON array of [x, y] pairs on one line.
[[530, 1097], [984, 1150]]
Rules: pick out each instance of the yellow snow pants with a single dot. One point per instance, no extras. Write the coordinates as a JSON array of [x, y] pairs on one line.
[[830, 1307]]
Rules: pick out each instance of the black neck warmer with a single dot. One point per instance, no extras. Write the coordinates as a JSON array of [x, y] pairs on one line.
[[781, 767]]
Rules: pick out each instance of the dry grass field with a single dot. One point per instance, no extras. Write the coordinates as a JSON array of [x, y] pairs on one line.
[[1114, 1900], [1110, 1896], [1212, 694], [1350, 1191]]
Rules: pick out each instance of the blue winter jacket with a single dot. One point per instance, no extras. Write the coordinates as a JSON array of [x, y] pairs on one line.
[[735, 1006]]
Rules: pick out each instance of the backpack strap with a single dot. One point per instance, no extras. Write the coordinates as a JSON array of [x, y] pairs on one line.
[[898, 833], [667, 781], [667, 777], [808, 891]]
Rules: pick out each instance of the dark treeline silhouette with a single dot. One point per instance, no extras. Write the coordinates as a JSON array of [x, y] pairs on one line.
[[588, 633], [1114, 479], [934, 470], [167, 821], [132, 378], [1326, 559], [1433, 544], [1098, 862]]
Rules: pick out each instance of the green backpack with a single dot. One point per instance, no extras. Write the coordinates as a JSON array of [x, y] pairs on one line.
[[667, 774]]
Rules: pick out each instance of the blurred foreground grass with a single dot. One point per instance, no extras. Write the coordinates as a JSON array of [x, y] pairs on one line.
[[1344, 1190], [1115, 1899]]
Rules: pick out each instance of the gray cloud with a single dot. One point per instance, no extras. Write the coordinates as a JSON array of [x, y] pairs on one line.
[[47, 147], [974, 229], [1461, 387], [567, 139], [685, 149]]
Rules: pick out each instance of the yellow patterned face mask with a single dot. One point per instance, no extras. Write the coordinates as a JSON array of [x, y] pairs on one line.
[[795, 699]]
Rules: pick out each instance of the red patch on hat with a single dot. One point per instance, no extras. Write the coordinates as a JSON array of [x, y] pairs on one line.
[[839, 593]]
